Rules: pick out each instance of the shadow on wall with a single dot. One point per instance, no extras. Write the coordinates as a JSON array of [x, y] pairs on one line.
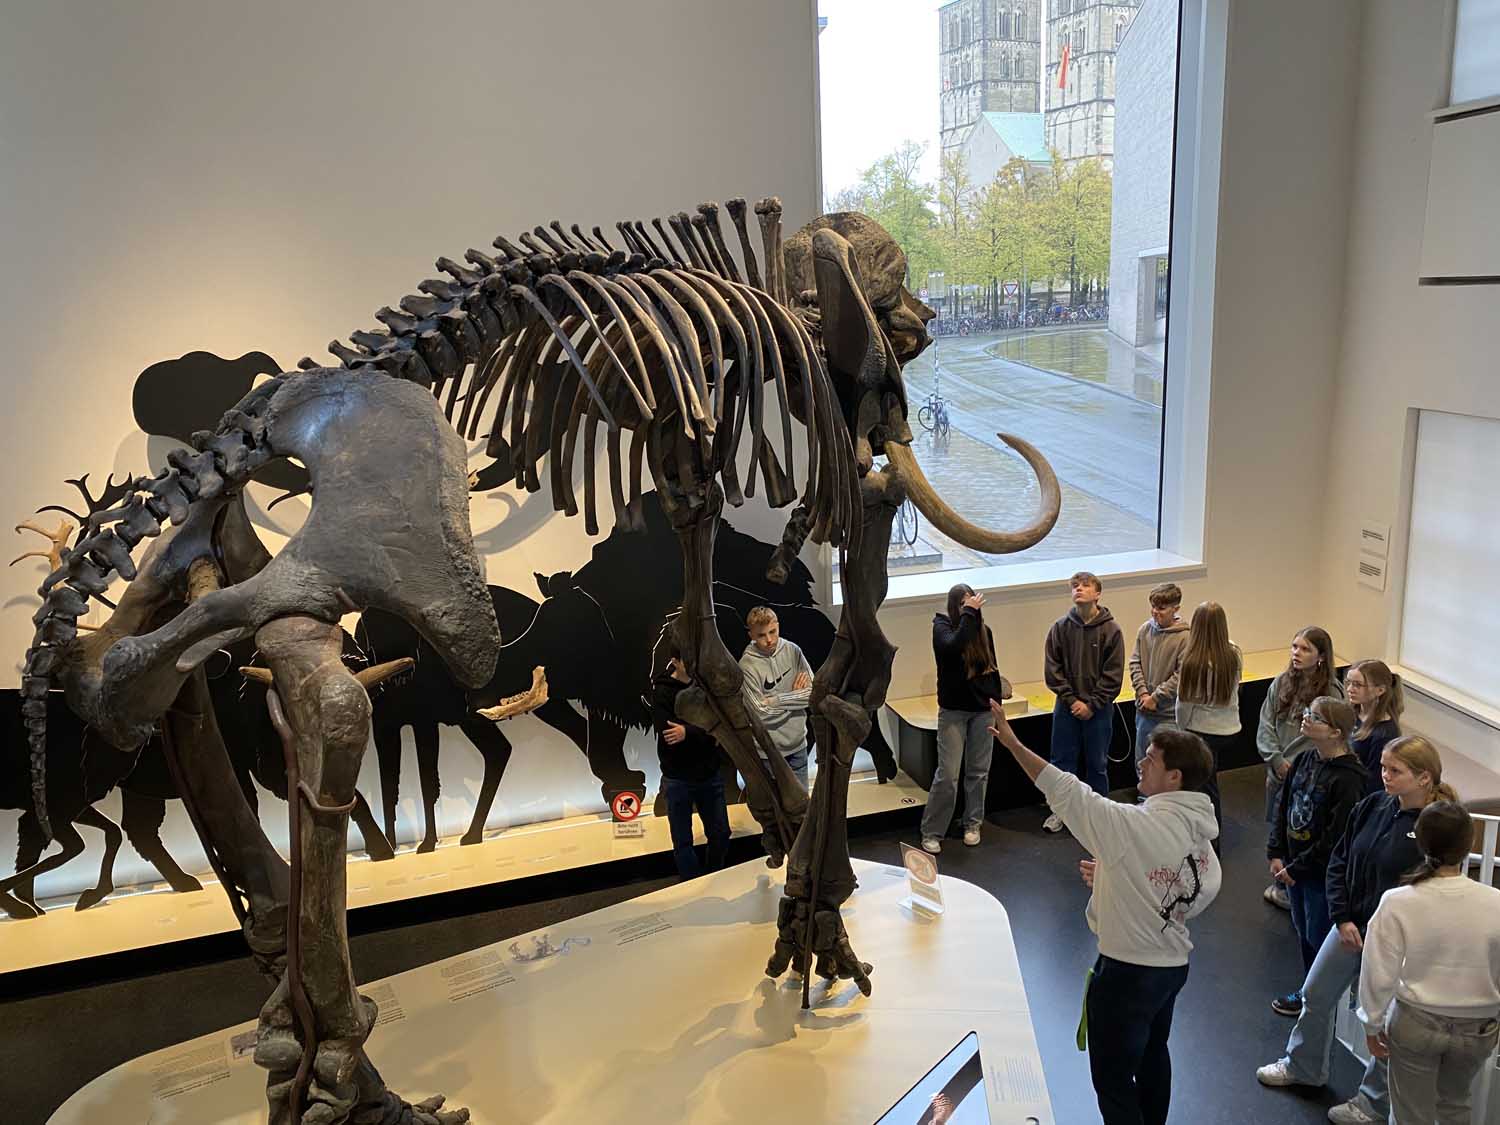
[[594, 630]]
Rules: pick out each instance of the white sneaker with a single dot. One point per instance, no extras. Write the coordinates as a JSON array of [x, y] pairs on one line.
[[932, 844], [1276, 895], [1278, 1073], [1350, 1113], [1052, 824], [971, 836]]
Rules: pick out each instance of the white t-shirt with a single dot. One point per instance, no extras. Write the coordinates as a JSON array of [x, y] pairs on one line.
[[1435, 946]]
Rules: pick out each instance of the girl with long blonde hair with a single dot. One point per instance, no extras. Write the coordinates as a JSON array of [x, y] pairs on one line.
[[1208, 688]]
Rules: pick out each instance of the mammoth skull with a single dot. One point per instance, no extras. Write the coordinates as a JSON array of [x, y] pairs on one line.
[[872, 327]]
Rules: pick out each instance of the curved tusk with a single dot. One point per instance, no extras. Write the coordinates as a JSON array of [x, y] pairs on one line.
[[946, 520]]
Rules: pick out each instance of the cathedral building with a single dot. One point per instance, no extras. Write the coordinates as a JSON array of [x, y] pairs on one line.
[[989, 61]]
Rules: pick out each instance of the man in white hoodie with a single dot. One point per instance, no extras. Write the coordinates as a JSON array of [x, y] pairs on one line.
[[1153, 868]]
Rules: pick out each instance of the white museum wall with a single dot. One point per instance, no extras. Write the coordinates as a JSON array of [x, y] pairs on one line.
[[1404, 345], [238, 178], [1288, 120]]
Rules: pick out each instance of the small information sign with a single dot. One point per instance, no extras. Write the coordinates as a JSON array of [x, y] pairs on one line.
[[921, 880]]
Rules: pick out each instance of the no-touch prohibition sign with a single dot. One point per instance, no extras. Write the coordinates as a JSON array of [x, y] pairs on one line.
[[625, 806]]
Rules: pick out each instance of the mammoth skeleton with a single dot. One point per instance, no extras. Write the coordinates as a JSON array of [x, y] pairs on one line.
[[668, 339]]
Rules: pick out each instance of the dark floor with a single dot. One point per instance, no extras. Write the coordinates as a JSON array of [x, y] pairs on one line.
[[56, 1041]]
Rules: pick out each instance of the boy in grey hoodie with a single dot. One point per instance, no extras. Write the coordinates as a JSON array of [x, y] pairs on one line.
[[1085, 660], [1153, 868], [778, 685], [1159, 644]]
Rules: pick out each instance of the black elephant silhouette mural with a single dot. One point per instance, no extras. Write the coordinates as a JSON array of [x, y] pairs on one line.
[[594, 630]]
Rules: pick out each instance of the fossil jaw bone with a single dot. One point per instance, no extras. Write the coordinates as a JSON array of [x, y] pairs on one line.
[[522, 702]]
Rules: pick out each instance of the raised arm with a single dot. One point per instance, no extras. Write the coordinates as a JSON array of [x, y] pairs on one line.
[[1096, 822]]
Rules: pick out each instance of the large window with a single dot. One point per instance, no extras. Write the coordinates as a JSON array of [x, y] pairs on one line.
[[1037, 224]]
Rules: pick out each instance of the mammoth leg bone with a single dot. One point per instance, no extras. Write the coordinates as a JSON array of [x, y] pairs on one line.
[[850, 684], [313, 1028], [250, 871], [715, 701]]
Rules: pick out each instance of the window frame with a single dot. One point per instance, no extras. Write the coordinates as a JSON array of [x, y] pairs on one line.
[[1182, 492]]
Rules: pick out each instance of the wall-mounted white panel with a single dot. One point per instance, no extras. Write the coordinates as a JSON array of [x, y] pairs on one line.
[[1450, 616], [1461, 238], [1476, 51]]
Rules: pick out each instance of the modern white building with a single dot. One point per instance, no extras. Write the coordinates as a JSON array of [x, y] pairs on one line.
[[1145, 69]]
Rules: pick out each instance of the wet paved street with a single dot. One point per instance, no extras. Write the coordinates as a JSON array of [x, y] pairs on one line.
[[1085, 399]]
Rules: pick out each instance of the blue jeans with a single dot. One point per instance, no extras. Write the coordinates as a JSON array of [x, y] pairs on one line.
[[1309, 916], [708, 798], [965, 747], [797, 759], [1130, 1017], [1090, 737], [1311, 1042], [1145, 723]]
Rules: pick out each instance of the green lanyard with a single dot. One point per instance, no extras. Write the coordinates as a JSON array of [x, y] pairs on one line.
[[1083, 1016]]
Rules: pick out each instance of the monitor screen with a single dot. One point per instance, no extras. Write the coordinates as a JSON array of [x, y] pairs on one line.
[[951, 1093]]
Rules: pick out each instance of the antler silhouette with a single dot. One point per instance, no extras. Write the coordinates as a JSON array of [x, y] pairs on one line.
[[59, 538], [113, 493]]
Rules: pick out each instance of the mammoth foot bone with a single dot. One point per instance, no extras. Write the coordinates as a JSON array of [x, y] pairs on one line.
[[344, 1087], [522, 702], [392, 1110], [830, 945]]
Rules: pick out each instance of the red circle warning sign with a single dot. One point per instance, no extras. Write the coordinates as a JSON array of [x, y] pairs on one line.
[[625, 806]]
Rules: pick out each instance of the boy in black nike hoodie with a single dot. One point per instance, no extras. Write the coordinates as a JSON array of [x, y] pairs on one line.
[[1085, 660]]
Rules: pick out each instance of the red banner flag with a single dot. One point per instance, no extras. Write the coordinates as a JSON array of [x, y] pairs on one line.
[[1062, 71]]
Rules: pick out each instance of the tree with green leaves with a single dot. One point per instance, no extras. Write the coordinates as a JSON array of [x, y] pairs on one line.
[[1078, 226], [890, 192]]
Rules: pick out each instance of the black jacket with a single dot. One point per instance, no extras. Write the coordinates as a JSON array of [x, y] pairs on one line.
[[1369, 750], [696, 757], [1085, 660], [1377, 848], [1312, 810], [956, 692]]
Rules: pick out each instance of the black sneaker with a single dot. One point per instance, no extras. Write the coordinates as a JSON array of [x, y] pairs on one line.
[[1288, 1005]]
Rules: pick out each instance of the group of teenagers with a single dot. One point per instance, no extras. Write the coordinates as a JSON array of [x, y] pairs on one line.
[[1366, 847]]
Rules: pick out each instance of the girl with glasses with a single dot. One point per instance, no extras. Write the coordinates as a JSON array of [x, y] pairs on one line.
[[1279, 737], [1376, 695], [1322, 785]]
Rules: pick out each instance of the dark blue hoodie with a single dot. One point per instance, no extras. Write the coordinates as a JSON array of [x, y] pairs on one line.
[[1378, 847]]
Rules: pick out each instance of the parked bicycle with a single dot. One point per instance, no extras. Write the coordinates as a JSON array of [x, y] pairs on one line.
[[904, 526], [933, 416]]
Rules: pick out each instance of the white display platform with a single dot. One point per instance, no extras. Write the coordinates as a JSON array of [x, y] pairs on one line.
[[659, 1010], [132, 919]]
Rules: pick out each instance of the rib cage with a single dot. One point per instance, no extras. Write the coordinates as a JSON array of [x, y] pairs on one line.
[[663, 339], [575, 334]]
